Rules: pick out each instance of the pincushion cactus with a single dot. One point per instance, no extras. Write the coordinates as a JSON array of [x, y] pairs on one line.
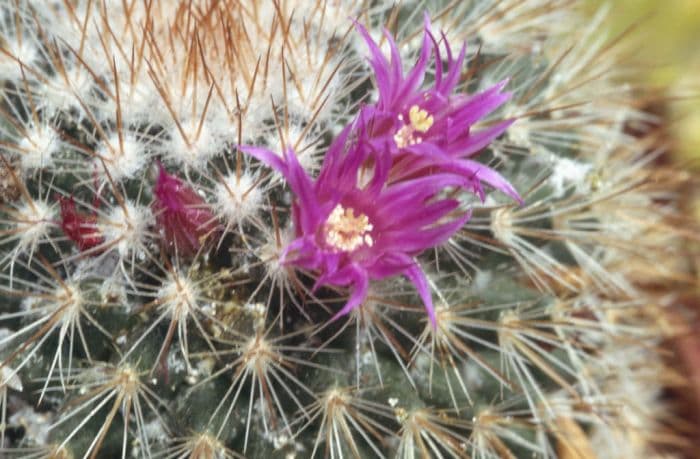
[[212, 212]]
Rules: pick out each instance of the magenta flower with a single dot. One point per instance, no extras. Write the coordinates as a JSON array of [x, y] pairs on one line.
[[182, 214], [350, 230], [379, 199], [432, 128]]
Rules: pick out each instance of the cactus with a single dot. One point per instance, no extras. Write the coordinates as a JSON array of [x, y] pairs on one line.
[[170, 287]]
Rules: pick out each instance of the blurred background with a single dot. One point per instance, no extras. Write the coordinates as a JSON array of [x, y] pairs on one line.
[[665, 39]]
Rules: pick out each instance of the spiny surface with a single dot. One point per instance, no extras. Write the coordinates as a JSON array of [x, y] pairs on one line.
[[494, 255]]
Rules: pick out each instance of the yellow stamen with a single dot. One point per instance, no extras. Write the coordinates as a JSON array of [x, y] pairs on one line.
[[345, 231], [420, 119]]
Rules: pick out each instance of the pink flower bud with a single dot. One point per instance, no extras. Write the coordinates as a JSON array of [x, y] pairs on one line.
[[182, 215]]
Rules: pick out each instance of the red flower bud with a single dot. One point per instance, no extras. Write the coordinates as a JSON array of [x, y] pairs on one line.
[[79, 227]]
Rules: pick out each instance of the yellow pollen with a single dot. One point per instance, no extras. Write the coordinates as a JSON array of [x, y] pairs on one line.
[[346, 231], [404, 137], [420, 120]]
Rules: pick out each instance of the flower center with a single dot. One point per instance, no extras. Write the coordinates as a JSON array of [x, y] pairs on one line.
[[346, 231], [419, 121]]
